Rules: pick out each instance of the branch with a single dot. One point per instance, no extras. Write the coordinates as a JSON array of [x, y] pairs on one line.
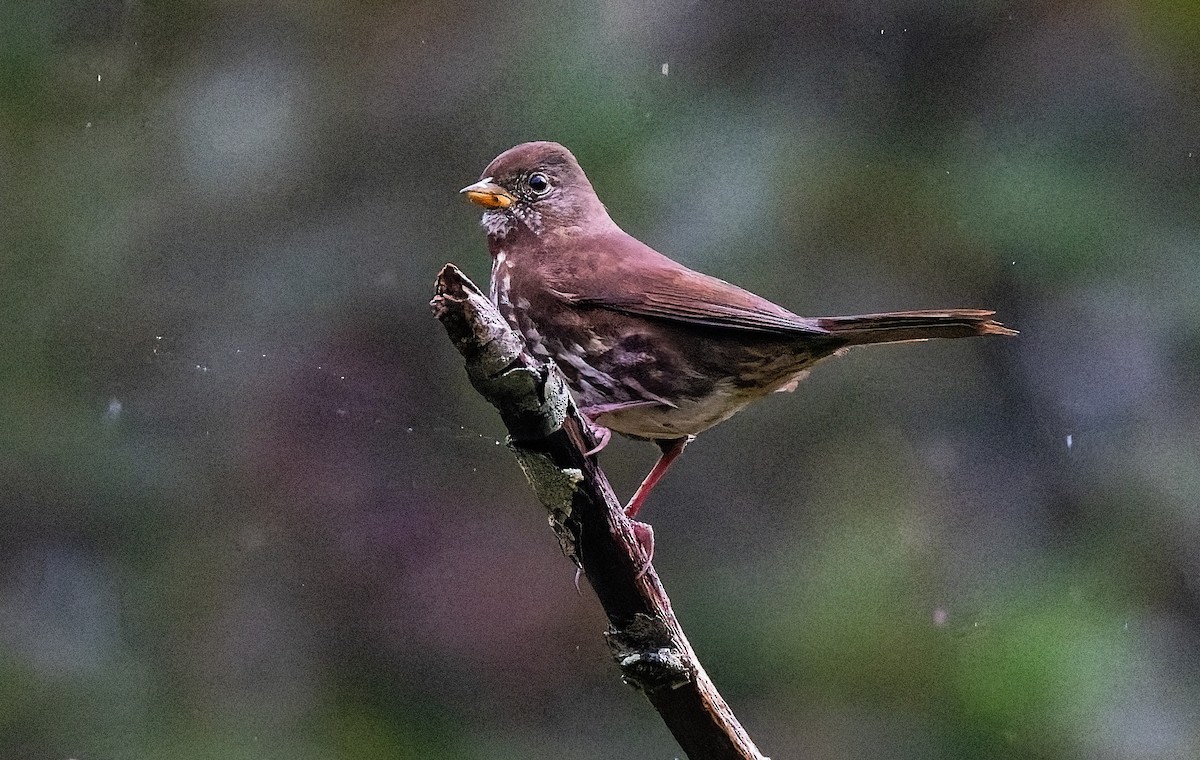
[[548, 437]]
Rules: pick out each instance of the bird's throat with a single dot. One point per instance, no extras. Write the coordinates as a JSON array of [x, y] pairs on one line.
[[503, 223]]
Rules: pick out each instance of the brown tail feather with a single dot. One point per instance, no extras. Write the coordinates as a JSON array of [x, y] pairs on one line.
[[899, 326]]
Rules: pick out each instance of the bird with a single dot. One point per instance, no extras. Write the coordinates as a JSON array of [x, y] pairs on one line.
[[650, 348]]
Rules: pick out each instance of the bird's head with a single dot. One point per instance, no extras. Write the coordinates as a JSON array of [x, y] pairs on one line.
[[538, 186]]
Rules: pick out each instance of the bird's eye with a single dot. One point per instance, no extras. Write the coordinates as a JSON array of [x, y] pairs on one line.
[[539, 183]]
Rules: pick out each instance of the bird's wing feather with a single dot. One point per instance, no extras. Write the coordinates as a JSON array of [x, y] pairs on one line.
[[693, 308], [648, 284]]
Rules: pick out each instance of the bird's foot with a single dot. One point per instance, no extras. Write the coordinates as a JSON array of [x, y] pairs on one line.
[[644, 534], [602, 435]]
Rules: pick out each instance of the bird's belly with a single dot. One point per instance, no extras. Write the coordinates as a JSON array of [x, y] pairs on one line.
[[687, 417]]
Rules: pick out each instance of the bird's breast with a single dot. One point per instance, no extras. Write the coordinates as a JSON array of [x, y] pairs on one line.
[[557, 332], [501, 284]]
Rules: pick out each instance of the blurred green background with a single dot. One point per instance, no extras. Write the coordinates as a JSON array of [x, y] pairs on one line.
[[250, 508]]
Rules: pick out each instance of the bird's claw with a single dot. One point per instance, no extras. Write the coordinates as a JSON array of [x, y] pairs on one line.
[[602, 435]]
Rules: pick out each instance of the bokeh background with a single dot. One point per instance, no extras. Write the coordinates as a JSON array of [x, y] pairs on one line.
[[250, 508]]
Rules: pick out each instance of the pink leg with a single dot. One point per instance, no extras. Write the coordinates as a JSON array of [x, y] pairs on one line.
[[643, 532], [670, 452]]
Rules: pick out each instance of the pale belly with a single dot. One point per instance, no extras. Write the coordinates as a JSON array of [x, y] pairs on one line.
[[686, 417]]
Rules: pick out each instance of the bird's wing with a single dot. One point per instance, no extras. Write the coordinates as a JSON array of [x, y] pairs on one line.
[[647, 284], [702, 309]]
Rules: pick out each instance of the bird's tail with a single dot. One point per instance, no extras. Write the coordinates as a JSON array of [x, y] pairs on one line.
[[899, 326]]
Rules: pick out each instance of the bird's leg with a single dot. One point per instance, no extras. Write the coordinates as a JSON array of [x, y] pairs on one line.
[[644, 532], [671, 449]]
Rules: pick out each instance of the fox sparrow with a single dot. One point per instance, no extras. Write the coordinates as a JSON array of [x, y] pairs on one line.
[[650, 348]]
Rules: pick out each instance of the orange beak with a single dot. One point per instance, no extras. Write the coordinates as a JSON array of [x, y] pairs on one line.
[[488, 194]]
